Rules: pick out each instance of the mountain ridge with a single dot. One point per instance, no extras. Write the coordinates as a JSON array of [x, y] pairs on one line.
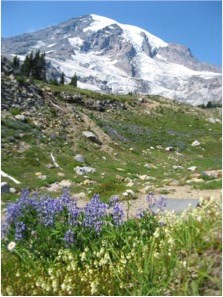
[[117, 58]]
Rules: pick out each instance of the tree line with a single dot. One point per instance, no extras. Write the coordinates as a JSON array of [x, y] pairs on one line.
[[34, 66]]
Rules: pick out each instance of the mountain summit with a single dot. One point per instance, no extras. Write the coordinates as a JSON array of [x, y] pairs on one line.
[[112, 57]]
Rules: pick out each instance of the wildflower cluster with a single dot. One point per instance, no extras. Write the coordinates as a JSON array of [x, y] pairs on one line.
[[120, 261]]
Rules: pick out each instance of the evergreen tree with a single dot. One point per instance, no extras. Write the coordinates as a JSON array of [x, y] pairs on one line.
[[34, 66], [27, 65], [74, 80], [62, 79], [16, 63]]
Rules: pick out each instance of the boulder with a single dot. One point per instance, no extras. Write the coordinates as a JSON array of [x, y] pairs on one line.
[[90, 135], [213, 173], [169, 149], [65, 183], [192, 168], [195, 143], [20, 117], [129, 193], [79, 158], [85, 169]]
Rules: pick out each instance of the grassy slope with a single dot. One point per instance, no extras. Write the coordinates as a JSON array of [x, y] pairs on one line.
[[157, 122]]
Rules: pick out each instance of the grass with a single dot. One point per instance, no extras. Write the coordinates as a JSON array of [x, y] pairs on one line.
[[168, 124]]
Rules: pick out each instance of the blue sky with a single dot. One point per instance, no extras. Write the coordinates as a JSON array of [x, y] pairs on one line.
[[196, 24]]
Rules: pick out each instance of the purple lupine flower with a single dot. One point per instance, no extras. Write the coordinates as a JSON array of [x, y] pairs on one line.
[[94, 212], [73, 212], [141, 213], [69, 237], [114, 199], [161, 203], [151, 200], [117, 214], [20, 227]]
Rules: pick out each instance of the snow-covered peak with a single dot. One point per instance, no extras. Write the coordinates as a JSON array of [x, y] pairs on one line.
[[99, 22], [130, 33]]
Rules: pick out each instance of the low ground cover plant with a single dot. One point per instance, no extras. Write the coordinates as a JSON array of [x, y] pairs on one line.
[[53, 247]]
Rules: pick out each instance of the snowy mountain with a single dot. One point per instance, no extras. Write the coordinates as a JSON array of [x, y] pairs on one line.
[[111, 57]]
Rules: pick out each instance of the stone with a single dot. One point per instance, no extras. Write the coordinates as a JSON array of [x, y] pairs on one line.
[[213, 173], [50, 166], [65, 183], [38, 173], [61, 174], [80, 195], [142, 177], [20, 117], [129, 193], [130, 184], [169, 149], [79, 158], [5, 187], [54, 188], [83, 170], [195, 143], [120, 169], [192, 168], [177, 167], [12, 190], [42, 177], [90, 135], [174, 183], [88, 182]]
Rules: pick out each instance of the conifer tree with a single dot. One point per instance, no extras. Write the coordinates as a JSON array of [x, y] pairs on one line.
[[74, 80], [62, 79], [16, 63]]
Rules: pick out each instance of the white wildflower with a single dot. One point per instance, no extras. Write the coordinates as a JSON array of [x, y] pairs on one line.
[[11, 246]]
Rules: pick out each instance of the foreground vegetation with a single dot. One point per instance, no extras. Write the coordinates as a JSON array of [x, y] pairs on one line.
[[52, 247]]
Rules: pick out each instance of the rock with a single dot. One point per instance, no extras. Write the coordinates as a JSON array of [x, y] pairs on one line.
[[192, 168], [152, 148], [194, 180], [130, 184], [129, 193], [20, 117], [5, 187], [142, 177], [195, 143], [54, 188], [78, 196], [83, 170], [90, 135], [214, 121], [65, 183], [169, 149], [42, 177], [213, 173], [120, 169], [12, 190], [38, 173], [131, 149], [88, 182], [177, 167], [61, 174], [50, 166], [174, 183], [79, 158]]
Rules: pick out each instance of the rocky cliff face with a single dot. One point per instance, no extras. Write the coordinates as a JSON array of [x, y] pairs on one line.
[[114, 58]]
